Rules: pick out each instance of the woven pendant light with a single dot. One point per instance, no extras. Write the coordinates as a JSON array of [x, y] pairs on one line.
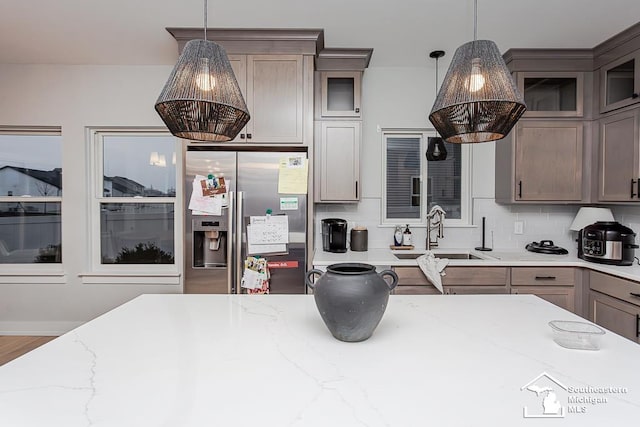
[[201, 100], [478, 100]]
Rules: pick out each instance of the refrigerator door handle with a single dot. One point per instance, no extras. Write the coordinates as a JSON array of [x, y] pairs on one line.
[[230, 244], [239, 262]]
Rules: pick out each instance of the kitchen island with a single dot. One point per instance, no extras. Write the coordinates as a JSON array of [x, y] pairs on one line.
[[268, 360]]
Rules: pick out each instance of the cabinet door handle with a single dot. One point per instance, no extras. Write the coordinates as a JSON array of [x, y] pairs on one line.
[[634, 294], [545, 277], [242, 137], [248, 136], [356, 189], [637, 325], [633, 194], [520, 189], [357, 110]]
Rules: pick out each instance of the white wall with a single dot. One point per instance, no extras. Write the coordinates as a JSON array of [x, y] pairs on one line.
[[73, 97], [402, 98]]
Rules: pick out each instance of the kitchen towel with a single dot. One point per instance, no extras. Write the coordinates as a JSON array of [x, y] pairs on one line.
[[433, 268]]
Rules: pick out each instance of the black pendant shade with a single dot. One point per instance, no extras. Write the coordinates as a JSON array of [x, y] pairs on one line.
[[436, 150], [201, 100], [478, 100]]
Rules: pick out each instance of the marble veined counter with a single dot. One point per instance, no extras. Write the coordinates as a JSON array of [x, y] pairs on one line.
[[239, 360]]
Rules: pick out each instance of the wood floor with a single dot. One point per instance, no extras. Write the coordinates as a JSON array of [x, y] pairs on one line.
[[15, 346]]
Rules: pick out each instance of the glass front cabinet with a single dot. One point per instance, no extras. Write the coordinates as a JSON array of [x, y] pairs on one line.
[[620, 82], [341, 93], [552, 94]]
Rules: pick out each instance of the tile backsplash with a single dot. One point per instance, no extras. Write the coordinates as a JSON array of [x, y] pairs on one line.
[[540, 222]]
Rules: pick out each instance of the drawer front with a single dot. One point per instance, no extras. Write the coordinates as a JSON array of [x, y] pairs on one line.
[[625, 290], [561, 296], [615, 315], [483, 276], [416, 290], [411, 276], [475, 290], [542, 276], [461, 276]]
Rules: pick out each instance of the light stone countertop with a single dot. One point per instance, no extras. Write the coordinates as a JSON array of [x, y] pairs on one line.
[[384, 257], [268, 360]]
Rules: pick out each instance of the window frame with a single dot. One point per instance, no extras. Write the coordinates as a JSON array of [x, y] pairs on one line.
[[146, 273], [465, 179], [35, 272]]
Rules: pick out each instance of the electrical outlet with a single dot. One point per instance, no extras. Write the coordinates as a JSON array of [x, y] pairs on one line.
[[518, 227]]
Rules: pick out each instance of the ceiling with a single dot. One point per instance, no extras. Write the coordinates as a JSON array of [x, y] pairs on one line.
[[402, 32]]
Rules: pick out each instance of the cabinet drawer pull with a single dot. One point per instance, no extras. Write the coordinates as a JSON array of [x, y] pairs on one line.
[[545, 277], [634, 294]]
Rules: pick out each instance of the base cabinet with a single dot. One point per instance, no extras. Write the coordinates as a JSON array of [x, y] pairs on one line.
[[617, 316], [554, 284], [614, 303]]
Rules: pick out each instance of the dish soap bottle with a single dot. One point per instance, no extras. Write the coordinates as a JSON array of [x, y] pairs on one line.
[[397, 236], [406, 237]]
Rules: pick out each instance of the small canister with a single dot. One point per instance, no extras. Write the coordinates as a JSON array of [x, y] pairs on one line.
[[359, 239]]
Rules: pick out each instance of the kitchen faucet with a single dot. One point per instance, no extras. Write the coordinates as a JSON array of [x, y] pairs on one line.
[[435, 222]]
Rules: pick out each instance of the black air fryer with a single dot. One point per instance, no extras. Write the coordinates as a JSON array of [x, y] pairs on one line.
[[334, 235]]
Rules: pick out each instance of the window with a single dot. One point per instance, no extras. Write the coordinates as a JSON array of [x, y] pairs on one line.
[[30, 196], [412, 185], [134, 206]]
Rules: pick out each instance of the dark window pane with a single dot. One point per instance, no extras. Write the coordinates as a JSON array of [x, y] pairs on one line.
[[139, 165], [137, 233], [403, 165], [30, 165], [444, 182], [30, 233]]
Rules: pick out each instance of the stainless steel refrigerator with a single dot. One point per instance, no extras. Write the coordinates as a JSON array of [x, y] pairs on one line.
[[216, 245]]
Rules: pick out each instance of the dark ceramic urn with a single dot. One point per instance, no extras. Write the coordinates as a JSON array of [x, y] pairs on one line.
[[351, 298]]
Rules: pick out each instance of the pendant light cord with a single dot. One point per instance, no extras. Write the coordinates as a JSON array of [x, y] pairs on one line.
[[475, 20], [205, 19]]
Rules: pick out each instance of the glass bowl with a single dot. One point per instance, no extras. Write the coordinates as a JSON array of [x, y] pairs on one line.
[[576, 335]]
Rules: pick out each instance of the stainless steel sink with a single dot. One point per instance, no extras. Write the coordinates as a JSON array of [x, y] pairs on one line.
[[458, 255]]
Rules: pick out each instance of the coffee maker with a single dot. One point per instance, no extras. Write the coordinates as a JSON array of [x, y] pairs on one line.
[[334, 235]]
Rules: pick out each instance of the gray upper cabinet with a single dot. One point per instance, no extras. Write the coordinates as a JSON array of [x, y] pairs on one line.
[[273, 89], [339, 161], [620, 82], [619, 153], [552, 94], [340, 94], [338, 126], [541, 161], [548, 161]]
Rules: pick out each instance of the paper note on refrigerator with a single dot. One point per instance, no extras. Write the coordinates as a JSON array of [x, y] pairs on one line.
[[204, 205], [268, 230], [292, 175]]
